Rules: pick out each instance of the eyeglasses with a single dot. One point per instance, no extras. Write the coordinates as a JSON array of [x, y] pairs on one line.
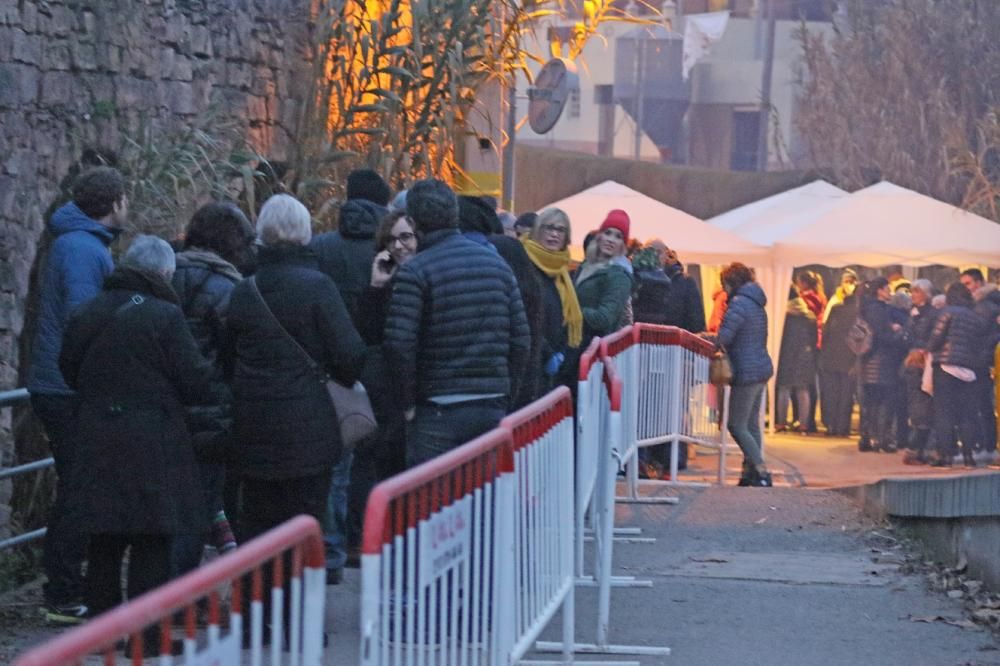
[[553, 229], [405, 238]]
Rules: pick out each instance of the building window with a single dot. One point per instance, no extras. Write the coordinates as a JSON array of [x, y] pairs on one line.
[[746, 128], [574, 103]]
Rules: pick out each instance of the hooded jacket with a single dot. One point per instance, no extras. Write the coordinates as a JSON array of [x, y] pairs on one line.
[[135, 366], [743, 334], [74, 270], [346, 255]]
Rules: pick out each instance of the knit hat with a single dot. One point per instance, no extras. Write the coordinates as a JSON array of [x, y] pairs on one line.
[[617, 219], [475, 214], [367, 184]]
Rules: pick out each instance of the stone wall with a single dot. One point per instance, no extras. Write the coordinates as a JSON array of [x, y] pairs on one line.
[[76, 73]]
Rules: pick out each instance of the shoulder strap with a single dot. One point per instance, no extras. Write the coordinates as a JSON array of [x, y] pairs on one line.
[[306, 356]]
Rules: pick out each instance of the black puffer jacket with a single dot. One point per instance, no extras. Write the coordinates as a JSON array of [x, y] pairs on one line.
[[456, 322], [283, 422], [134, 364], [988, 306], [684, 308], [836, 356], [922, 319], [797, 359], [346, 255], [204, 282], [882, 363], [959, 338]]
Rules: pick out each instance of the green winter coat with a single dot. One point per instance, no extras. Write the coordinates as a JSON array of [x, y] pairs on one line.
[[603, 295]]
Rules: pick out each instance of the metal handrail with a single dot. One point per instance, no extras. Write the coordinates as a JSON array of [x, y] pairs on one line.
[[9, 399]]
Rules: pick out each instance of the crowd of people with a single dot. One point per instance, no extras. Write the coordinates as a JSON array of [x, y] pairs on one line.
[[918, 363], [183, 390]]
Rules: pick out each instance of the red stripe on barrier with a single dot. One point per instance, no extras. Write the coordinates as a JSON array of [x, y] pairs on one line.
[[671, 335], [619, 341], [530, 423], [136, 615], [408, 495], [613, 383], [588, 357]]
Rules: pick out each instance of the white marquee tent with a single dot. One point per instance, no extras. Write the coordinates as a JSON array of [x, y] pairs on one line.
[[695, 241], [770, 219]]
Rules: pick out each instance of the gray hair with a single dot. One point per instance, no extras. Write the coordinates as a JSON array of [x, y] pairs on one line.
[[151, 254], [283, 219], [551, 215], [924, 285]]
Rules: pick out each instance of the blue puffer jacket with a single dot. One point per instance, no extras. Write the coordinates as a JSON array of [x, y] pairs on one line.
[[74, 270], [743, 333]]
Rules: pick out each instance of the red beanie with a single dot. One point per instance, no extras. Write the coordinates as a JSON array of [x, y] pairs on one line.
[[617, 219]]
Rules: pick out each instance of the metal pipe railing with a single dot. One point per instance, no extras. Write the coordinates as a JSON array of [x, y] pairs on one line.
[[9, 399]]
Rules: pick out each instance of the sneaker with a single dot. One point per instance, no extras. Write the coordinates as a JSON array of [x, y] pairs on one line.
[[69, 613], [762, 480]]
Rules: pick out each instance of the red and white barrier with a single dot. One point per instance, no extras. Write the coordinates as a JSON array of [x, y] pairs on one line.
[[676, 401], [591, 399], [300, 539], [467, 557]]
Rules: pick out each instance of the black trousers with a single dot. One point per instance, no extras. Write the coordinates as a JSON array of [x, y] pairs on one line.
[[956, 412], [267, 503], [65, 545], [878, 414], [148, 568], [837, 395]]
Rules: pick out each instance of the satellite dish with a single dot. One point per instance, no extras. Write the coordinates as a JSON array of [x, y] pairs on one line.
[[549, 94]]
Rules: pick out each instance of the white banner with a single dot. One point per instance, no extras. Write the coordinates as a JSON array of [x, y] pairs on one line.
[[445, 540], [700, 32]]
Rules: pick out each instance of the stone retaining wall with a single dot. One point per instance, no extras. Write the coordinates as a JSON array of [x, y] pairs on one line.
[[76, 73]]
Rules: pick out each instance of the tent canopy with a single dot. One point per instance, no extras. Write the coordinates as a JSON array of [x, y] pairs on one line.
[[774, 217], [886, 224], [694, 240]]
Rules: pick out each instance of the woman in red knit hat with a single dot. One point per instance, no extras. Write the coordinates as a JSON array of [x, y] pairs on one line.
[[604, 280]]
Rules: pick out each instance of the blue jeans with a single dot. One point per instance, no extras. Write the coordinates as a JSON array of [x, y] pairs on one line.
[[785, 394], [437, 429], [744, 420], [335, 526]]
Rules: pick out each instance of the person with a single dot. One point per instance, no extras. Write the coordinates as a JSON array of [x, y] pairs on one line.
[[810, 287], [603, 284], [880, 366], [919, 403], [837, 362], [957, 343], [684, 308], [719, 304], [456, 336], [287, 332], [547, 246], [346, 256], [796, 362], [525, 223], [743, 334], [135, 365], [73, 272], [217, 240], [650, 304], [987, 298], [508, 221]]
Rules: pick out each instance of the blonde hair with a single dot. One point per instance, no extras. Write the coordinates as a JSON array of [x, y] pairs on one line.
[[551, 215]]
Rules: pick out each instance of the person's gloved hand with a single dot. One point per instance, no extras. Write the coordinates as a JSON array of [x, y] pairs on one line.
[[555, 362]]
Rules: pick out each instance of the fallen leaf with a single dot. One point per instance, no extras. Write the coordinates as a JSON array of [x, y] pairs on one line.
[[955, 594], [761, 521], [715, 560]]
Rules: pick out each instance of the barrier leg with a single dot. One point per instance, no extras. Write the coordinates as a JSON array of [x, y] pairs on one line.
[[722, 435], [635, 498]]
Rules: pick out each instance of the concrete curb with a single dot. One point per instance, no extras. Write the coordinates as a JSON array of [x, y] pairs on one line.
[[967, 496]]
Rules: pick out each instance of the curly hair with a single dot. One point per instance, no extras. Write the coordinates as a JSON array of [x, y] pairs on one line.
[[735, 275], [97, 190], [221, 228]]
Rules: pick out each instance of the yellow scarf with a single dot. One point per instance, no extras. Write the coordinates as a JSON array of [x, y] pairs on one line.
[[555, 265]]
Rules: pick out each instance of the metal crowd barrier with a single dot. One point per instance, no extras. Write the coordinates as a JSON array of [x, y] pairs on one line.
[[9, 399], [298, 542], [469, 556], [590, 399]]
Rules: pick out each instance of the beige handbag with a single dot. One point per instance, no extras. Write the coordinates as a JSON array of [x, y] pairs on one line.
[[720, 370]]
